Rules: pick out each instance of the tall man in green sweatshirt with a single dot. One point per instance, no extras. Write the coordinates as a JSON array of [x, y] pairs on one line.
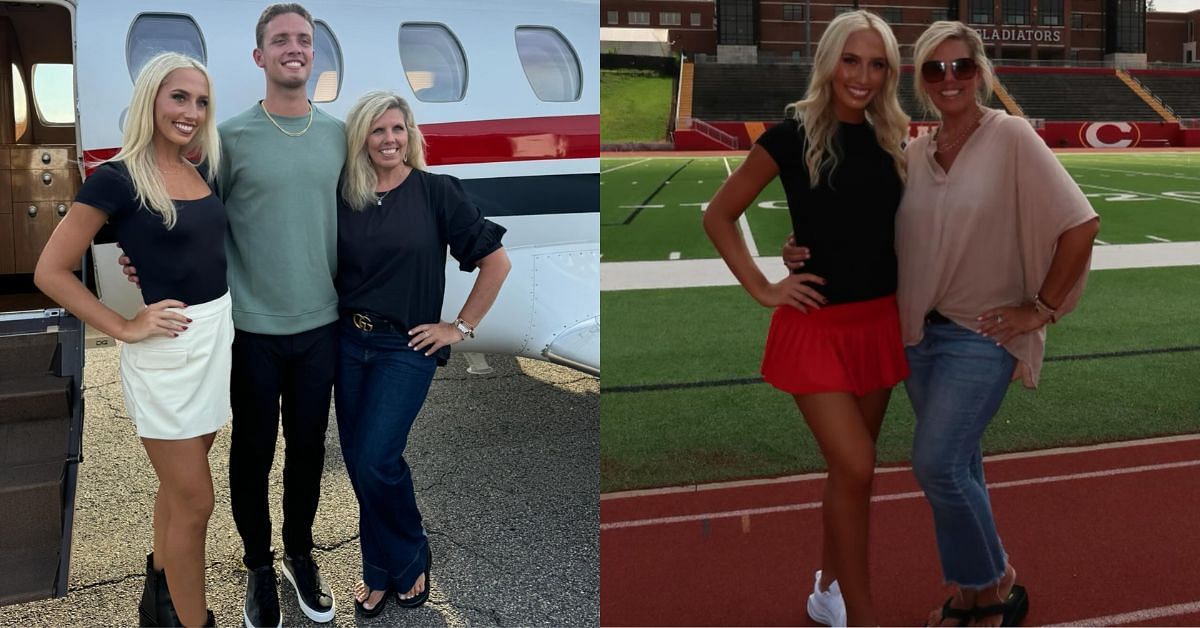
[[279, 171]]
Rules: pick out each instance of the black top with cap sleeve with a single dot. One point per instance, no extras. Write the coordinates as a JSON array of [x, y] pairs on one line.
[[392, 256], [848, 221], [186, 262]]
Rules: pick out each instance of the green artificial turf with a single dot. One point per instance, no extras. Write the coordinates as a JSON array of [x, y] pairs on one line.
[[635, 106], [1141, 198], [699, 427]]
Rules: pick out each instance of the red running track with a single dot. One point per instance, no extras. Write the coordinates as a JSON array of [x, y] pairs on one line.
[[1105, 535]]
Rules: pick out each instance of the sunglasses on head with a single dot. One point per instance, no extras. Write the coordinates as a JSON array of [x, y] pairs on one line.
[[935, 71]]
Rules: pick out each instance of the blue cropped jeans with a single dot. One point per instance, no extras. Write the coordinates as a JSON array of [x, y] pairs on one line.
[[957, 383], [381, 386]]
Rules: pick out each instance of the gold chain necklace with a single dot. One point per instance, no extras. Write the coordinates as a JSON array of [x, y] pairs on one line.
[[283, 130], [961, 136]]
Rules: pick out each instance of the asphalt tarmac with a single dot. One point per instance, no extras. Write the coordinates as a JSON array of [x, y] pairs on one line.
[[506, 472]]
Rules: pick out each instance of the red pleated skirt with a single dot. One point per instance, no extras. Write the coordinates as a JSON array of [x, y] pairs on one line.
[[851, 347]]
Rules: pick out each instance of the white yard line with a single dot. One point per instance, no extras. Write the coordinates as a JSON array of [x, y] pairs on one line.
[[1156, 238], [742, 222], [615, 168], [1144, 174], [1162, 196], [697, 273]]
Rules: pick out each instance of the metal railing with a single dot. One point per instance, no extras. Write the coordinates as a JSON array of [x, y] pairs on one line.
[[713, 133]]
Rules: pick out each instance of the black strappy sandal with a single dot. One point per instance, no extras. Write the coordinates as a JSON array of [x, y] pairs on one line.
[[362, 611], [1013, 610]]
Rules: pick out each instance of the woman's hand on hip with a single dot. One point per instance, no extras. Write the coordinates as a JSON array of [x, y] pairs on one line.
[[433, 336], [793, 290], [155, 320], [1005, 323]]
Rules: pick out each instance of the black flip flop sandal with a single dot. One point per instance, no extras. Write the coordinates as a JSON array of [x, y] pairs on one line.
[[423, 596], [1013, 609], [961, 616], [363, 611]]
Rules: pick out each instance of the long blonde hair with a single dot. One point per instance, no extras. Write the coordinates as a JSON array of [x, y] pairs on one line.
[[137, 145], [816, 112], [358, 177], [933, 37]]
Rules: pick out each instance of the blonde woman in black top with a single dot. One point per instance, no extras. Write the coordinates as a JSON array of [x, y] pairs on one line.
[[395, 221], [834, 342], [175, 356]]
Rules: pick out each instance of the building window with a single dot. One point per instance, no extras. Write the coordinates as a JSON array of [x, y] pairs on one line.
[[891, 15], [736, 23], [1191, 31], [1126, 28], [1050, 12], [981, 11], [695, 19], [1016, 12], [793, 12], [668, 18], [940, 14], [840, 9], [639, 18], [614, 17], [1076, 20]]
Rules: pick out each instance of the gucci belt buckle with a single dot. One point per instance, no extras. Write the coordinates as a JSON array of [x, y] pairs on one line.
[[362, 321]]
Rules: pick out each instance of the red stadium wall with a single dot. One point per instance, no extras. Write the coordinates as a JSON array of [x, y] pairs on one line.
[[1101, 135]]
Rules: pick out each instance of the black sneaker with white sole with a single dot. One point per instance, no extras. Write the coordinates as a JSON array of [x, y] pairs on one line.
[[314, 596], [262, 598]]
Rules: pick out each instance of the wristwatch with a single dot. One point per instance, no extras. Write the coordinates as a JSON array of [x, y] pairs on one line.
[[464, 328]]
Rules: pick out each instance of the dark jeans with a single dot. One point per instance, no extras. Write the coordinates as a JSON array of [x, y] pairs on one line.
[[296, 370], [381, 385]]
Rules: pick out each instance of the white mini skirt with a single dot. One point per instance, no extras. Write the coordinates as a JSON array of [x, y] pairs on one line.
[[177, 388]]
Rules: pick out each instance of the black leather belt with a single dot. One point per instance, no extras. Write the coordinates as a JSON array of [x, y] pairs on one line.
[[369, 321], [935, 317]]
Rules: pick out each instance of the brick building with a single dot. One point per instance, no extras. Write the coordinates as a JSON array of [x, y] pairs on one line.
[[1072, 31]]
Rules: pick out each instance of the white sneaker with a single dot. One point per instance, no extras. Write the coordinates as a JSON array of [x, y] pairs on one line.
[[827, 607]]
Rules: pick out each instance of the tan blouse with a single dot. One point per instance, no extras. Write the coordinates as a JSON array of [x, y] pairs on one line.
[[983, 235]]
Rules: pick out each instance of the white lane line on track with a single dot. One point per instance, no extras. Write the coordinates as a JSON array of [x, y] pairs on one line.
[[615, 168], [1160, 196], [809, 477], [742, 222], [640, 523], [1157, 239], [1144, 615]]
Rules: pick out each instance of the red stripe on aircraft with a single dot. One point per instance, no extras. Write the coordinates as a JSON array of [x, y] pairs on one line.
[[487, 141]]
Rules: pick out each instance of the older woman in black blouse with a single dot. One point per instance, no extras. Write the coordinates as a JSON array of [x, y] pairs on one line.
[[395, 221]]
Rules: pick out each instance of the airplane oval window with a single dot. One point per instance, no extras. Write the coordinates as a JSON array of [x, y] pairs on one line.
[[433, 62], [54, 93], [550, 64], [325, 83], [155, 33], [20, 107]]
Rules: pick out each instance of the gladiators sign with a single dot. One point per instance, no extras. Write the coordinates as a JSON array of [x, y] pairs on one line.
[[1012, 34]]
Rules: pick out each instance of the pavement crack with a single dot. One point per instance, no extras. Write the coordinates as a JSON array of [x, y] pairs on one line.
[[336, 546], [105, 583]]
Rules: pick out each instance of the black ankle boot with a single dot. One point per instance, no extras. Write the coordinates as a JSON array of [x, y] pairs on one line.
[[211, 622], [164, 609], [147, 614]]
